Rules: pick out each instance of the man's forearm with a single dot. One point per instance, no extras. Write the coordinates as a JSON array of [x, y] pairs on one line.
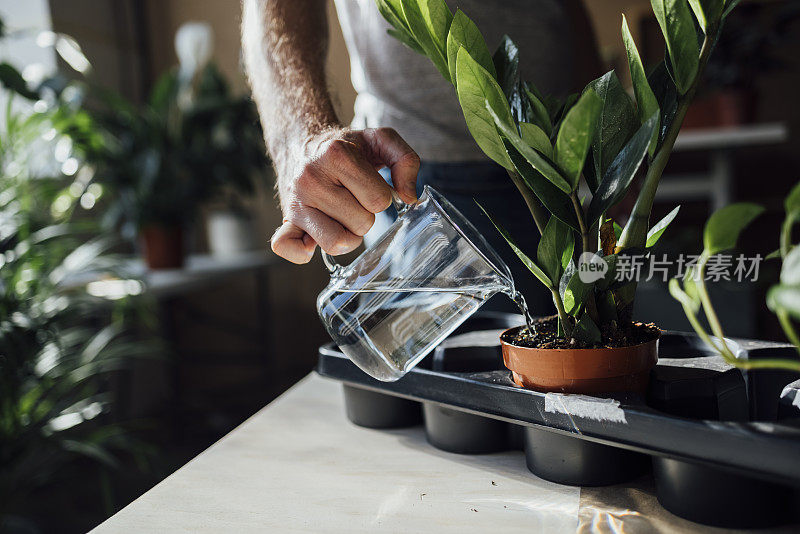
[[328, 184], [285, 44]]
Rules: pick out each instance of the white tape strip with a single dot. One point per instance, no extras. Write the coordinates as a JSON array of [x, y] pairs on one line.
[[584, 406]]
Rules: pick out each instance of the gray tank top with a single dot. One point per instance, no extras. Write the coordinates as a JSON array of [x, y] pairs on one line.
[[401, 89]]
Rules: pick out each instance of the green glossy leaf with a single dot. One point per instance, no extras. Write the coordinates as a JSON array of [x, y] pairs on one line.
[[13, 80], [506, 64], [540, 113], [792, 202], [536, 138], [484, 105], [574, 293], [569, 270], [529, 263], [646, 103], [790, 270], [724, 226], [392, 11], [667, 97], [657, 230], [555, 249], [676, 22], [536, 160], [575, 136], [707, 11], [617, 230], [774, 255], [555, 200], [729, 6], [616, 124], [690, 286], [782, 297], [465, 34], [620, 173], [567, 246], [406, 39], [419, 29], [681, 296], [586, 331], [437, 18], [559, 108]]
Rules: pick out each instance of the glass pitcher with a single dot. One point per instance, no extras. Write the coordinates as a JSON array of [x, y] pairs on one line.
[[425, 276]]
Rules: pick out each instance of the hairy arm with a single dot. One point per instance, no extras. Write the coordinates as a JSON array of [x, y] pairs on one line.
[[328, 183]]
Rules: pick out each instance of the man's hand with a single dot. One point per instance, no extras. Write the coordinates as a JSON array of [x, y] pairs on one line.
[[331, 190], [328, 177]]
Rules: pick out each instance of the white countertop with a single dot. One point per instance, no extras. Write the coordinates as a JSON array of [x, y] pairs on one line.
[[299, 465]]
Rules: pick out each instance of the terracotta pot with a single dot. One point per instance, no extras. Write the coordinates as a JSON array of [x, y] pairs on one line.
[[581, 370], [726, 108], [163, 246]]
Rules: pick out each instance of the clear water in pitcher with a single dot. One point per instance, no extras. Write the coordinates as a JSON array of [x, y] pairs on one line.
[[403, 325]]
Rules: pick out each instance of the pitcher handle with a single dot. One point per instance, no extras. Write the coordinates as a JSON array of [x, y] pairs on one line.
[[335, 267]]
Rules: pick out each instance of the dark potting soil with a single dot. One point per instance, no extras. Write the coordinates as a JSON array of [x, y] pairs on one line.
[[545, 336]]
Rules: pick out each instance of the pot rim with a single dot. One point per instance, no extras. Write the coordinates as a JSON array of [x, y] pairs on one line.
[[519, 347]]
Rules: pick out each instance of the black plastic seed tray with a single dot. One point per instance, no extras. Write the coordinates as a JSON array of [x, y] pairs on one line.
[[697, 410]]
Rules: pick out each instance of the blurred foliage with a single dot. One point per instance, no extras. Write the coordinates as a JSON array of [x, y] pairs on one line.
[[751, 45], [59, 346], [162, 160]]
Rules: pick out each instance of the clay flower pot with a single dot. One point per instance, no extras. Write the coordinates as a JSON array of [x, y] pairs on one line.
[[722, 109], [581, 370], [162, 246]]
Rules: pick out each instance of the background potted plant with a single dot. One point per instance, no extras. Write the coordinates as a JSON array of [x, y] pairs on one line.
[[762, 503], [721, 233], [749, 47], [192, 142], [60, 348]]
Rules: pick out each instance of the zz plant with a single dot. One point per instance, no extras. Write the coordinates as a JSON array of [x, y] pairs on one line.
[[600, 138]]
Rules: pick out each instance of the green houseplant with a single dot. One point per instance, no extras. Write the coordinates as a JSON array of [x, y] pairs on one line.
[[193, 142], [58, 348], [550, 147], [721, 233]]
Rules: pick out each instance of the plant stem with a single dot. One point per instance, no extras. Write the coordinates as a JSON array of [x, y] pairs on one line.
[[716, 328], [534, 206], [786, 235], [699, 330], [788, 328], [708, 308], [731, 358], [789, 365], [563, 317], [635, 232], [585, 237]]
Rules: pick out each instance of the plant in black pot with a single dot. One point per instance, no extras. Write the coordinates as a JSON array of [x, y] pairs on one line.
[[192, 143], [703, 493], [721, 233]]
